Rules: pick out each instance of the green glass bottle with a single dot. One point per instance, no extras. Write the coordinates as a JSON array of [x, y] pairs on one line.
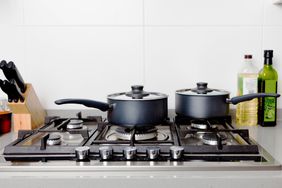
[[267, 83]]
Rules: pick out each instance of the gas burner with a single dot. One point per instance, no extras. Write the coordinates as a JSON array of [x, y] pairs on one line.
[[75, 124], [54, 139], [71, 139], [140, 134], [212, 138], [201, 124], [157, 133]]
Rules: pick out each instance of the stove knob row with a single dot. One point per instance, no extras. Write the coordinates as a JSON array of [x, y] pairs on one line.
[[82, 153], [176, 152], [106, 152], [129, 153]]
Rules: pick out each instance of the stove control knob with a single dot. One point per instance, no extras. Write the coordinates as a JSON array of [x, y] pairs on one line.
[[82, 153], [176, 152], [106, 152], [129, 152], [153, 152]]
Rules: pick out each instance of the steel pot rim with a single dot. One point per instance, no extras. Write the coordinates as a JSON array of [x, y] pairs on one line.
[[181, 92], [157, 96], [202, 90]]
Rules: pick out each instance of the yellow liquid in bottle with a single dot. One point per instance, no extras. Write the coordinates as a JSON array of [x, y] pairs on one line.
[[247, 112]]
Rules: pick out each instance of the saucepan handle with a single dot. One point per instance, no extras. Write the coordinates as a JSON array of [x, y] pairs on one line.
[[86, 102], [236, 100]]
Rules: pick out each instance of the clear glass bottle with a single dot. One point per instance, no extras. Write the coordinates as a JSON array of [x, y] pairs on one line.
[[268, 84], [247, 112]]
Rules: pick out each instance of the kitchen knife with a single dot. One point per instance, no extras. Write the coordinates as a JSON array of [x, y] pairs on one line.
[[12, 91], [3, 63], [16, 91], [1, 86], [6, 89], [3, 66], [15, 74]]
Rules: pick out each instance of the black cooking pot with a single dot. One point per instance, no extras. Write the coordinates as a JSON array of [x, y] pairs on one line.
[[136, 108], [203, 102]]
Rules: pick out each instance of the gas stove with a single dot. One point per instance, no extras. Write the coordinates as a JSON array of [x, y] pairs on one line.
[[184, 142]]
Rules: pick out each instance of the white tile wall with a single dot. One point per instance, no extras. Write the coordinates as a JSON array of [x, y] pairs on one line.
[[203, 12], [11, 12], [90, 48], [271, 40], [178, 57], [272, 14], [82, 62], [11, 43], [83, 12]]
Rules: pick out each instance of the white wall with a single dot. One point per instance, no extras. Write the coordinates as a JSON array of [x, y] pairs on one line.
[[90, 48]]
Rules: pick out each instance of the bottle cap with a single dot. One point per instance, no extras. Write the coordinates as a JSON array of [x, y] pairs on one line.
[[268, 53], [248, 56]]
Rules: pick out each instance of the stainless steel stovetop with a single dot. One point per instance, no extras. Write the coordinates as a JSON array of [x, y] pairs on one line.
[[91, 143]]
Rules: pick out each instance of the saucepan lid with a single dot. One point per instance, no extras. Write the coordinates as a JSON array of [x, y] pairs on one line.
[[137, 93], [202, 90]]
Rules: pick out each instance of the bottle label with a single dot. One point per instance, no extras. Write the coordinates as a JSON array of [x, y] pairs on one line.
[[250, 85], [247, 85], [270, 102]]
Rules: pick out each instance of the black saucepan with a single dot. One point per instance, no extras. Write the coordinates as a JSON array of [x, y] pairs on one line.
[[203, 102], [134, 109]]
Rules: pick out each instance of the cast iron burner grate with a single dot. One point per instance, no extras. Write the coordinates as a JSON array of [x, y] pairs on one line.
[[93, 136]]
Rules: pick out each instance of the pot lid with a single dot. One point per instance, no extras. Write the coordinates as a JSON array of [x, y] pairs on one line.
[[137, 93], [203, 90]]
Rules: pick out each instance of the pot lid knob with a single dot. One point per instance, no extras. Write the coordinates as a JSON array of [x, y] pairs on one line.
[[202, 88], [137, 88], [137, 92]]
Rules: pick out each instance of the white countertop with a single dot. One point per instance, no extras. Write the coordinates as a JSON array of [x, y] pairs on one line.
[[270, 138]]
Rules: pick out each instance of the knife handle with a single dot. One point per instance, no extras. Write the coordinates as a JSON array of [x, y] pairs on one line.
[[4, 67], [3, 63], [7, 89], [10, 88], [16, 91], [4, 90], [16, 76]]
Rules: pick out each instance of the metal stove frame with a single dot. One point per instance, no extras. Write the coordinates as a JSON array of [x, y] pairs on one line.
[[252, 156]]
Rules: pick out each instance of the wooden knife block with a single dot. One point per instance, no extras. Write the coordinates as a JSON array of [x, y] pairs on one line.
[[29, 114]]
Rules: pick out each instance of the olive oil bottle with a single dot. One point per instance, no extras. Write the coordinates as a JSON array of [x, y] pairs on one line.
[[267, 83]]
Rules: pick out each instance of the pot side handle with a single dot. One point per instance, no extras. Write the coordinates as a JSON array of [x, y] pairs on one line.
[[88, 103], [236, 100]]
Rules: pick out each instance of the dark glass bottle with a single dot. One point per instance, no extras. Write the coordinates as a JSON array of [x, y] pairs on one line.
[[267, 83]]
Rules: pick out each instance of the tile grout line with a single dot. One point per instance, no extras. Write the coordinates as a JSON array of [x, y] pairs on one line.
[[262, 27], [24, 33], [23, 12], [143, 25], [143, 43]]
